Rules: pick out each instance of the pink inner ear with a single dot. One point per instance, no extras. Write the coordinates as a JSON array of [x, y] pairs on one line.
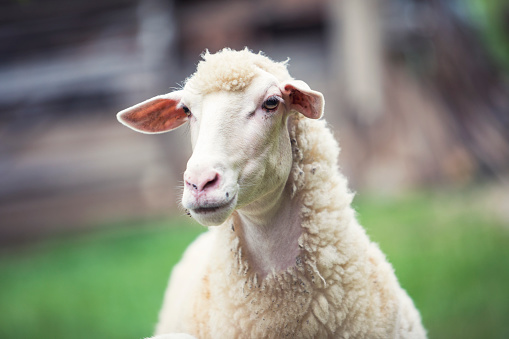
[[304, 103], [155, 116]]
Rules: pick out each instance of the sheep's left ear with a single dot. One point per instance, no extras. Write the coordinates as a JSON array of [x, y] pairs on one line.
[[303, 99], [156, 115]]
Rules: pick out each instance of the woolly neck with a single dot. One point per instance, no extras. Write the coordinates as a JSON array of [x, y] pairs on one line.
[[292, 302], [313, 183]]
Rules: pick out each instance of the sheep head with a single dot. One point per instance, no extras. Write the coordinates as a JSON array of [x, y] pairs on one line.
[[237, 106]]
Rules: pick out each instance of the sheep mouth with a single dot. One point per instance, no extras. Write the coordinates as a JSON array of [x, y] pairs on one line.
[[206, 210], [213, 208]]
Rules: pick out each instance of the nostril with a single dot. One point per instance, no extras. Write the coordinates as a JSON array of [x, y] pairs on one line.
[[202, 181], [190, 184], [211, 182]]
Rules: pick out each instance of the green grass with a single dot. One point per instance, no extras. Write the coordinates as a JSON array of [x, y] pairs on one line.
[[451, 258], [104, 285]]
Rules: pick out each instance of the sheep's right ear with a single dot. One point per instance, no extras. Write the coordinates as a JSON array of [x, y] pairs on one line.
[[156, 115]]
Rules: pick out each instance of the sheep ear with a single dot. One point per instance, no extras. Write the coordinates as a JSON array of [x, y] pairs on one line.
[[303, 99], [156, 115]]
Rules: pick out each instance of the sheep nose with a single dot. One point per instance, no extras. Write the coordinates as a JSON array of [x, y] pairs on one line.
[[202, 181]]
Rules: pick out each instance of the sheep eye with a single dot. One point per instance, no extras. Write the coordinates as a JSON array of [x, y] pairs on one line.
[[271, 104], [186, 110]]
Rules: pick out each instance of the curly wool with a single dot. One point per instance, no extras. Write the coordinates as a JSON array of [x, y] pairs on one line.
[[341, 284], [232, 71]]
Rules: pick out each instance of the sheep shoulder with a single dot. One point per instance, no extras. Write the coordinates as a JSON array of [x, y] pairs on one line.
[[187, 283]]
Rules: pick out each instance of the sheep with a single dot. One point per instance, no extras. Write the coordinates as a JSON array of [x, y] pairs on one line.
[[286, 256]]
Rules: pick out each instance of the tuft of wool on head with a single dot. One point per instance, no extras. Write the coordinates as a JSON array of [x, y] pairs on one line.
[[230, 70]]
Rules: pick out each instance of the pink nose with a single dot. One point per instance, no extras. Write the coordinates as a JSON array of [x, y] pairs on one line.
[[201, 181]]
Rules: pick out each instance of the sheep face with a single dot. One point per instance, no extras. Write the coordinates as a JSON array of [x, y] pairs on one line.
[[241, 149]]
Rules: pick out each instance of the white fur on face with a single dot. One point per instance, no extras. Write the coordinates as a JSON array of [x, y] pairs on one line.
[[248, 146]]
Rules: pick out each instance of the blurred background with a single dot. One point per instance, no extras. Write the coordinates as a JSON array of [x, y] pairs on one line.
[[416, 92]]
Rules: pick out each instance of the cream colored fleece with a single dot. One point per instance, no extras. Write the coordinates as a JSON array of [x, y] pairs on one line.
[[341, 285]]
